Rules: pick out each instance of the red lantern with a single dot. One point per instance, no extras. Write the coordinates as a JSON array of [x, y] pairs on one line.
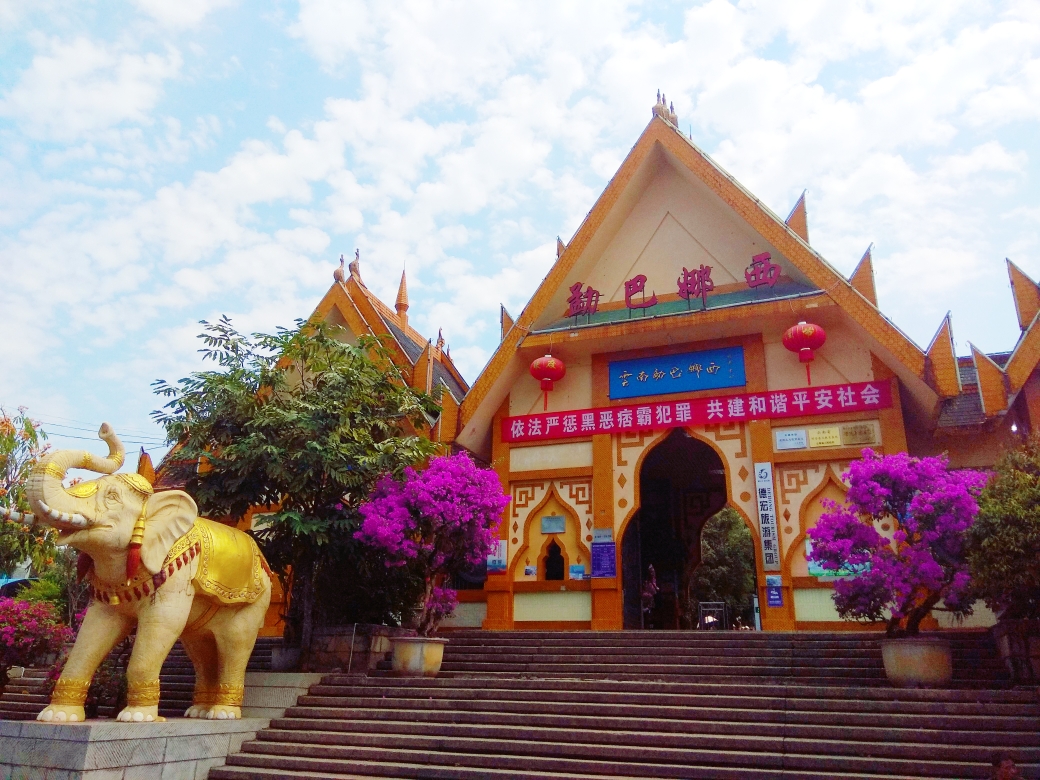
[[548, 369], [803, 338]]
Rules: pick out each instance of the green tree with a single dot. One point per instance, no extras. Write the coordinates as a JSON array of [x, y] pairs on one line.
[[22, 443], [727, 568], [1004, 542], [304, 423]]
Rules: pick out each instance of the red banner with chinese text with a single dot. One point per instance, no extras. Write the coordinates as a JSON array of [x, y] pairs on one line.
[[771, 405]]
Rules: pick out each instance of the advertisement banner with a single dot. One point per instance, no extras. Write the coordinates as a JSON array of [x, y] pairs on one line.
[[770, 405]]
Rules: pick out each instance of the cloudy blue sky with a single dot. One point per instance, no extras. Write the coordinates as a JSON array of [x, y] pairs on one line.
[[164, 162]]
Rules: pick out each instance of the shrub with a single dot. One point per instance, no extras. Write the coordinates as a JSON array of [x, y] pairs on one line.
[[924, 561], [438, 522], [28, 633], [1004, 542]]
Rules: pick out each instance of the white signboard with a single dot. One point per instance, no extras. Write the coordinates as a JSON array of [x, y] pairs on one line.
[[496, 561], [791, 440], [767, 516]]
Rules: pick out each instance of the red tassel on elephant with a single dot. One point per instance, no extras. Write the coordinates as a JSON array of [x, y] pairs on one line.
[[133, 552], [84, 563]]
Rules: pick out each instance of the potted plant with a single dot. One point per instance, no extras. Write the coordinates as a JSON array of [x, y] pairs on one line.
[[930, 510], [438, 522], [1004, 556]]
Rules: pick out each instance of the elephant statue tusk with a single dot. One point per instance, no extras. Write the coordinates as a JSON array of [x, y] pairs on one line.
[[17, 517], [77, 519]]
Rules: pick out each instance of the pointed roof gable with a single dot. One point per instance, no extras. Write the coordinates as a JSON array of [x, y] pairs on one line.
[[798, 219], [942, 372], [862, 279], [992, 389], [1026, 293], [622, 193]]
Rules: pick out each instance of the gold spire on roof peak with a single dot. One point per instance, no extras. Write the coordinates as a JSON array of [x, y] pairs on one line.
[[355, 265], [402, 294], [665, 110]]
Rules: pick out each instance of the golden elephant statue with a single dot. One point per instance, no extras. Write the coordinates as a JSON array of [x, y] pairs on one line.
[[152, 563]]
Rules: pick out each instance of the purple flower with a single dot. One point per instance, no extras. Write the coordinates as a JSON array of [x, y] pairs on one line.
[[923, 562], [443, 520]]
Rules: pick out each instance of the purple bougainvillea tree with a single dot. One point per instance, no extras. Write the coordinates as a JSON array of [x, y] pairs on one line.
[[930, 508], [440, 522]]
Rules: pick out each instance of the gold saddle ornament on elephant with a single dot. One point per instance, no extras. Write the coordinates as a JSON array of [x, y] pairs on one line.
[[153, 564]]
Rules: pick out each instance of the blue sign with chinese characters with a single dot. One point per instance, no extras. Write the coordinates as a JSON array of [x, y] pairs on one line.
[[709, 369]]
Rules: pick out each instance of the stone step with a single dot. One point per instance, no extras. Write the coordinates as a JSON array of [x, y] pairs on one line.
[[602, 760], [970, 732], [788, 690], [903, 744], [922, 716]]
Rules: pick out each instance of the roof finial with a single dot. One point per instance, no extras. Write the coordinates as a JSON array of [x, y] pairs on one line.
[[339, 274], [661, 108], [355, 265], [402, 299], [440, 338]]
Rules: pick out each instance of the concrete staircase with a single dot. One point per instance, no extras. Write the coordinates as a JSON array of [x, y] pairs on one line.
[[653, 705], [26, 696]]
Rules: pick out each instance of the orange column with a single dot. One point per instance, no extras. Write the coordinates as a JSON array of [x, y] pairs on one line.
[[498, 587], [606, 591], [761, 433]]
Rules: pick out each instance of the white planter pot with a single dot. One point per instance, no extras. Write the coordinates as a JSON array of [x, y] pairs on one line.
[[417, 656], [918, 661]]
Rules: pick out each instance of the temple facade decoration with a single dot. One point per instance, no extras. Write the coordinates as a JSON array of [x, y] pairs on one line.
[[669, 308]]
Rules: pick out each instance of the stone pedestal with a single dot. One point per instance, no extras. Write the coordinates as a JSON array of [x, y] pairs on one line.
[[109, 750], [269, 694]]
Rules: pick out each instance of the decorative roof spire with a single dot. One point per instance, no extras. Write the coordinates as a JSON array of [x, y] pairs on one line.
[[339, 274], [355, 265], [402, 299], [440, 338], [665, 110]]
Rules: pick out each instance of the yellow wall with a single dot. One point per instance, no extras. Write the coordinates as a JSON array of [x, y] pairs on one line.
[[566, 606]]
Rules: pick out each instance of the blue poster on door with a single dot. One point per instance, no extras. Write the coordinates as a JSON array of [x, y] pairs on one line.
[[709, 369]]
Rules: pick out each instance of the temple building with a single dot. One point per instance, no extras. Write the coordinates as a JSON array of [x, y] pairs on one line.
[[701, 354]]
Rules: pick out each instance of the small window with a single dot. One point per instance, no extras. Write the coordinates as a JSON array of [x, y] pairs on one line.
[[553, 562]]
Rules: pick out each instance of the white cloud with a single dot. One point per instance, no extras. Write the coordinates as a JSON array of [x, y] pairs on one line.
[[75, 88], [460, 139], [181, 13]]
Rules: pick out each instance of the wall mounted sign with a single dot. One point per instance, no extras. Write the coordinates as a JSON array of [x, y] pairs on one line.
[[604, 559], [771, 405], [496, 560], [708, 369], [577, 571], [554, 524], [816, 570], [530, 571], [859, 434], [774, 590], [693, 283], [829, 436], [767, 517], [791, 440], [602, 535]]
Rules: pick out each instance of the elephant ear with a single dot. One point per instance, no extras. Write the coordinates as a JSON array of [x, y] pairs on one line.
[[168, 516]]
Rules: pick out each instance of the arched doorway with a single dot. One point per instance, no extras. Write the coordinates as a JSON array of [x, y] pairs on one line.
[[682, 482]]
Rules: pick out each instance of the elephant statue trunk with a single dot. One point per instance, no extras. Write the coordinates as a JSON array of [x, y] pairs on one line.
[[52, 501]]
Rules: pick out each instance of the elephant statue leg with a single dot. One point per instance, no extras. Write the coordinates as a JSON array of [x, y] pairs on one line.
[[103, 627], [157, 632], [234, 630], [202, 650]]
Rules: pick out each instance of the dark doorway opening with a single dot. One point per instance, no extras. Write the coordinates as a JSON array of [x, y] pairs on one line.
[[682, 483], [554, 562]]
